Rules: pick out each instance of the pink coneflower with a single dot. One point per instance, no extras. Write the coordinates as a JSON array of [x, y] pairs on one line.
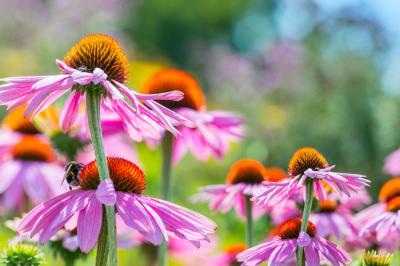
[[282, 249], [154, 219], [392, 163], [333, 220], [309, 163], [95, 63], [243, 179], [28, 169], [213, 131], [384, 217]]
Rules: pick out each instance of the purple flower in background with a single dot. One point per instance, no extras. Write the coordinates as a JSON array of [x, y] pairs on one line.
[[212, 132], [154, 219], [392, 163]]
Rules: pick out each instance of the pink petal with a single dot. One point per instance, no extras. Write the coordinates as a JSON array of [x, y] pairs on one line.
[[70, 110], [105, 192], [89, 224]]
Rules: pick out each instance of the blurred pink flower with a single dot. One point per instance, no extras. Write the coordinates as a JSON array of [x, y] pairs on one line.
[[29, 169], [243, 180], [154, 219], [85, 71], [281, 250], [392, 163], [211, 135], [212, 132]]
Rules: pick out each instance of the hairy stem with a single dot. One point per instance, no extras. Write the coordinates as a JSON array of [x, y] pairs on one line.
[[107, 239], [249, 222], [166, 188], [306, 215]]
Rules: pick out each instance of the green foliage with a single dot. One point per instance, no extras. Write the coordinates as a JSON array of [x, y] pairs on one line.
[[21, 255]]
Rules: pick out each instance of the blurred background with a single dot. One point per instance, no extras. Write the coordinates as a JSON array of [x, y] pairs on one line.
[[303, 73]]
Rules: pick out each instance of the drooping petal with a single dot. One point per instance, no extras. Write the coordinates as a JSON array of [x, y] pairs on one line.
[[105, 192], [89, 224], [70, 110]]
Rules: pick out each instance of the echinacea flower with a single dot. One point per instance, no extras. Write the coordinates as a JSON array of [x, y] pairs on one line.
[[96, 63], [82, 207], [392, 163], [244, 179], [29, 169], [282, 249], [309, 163], [373, 258], [384, 217], [213, 131], [333, 220]]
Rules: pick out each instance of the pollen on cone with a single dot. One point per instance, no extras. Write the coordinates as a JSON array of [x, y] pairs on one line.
[[304, 159], [390, 190], [246, 171], [31, 148], [99, 51], [291, 229]]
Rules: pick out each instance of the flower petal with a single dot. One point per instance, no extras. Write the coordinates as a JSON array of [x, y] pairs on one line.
[[105, 192]]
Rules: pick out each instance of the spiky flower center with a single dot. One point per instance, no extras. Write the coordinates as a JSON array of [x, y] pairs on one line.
[[99, 51], [327, 206], [372, 258], [291, 229], [31, 148], [275, 174], [126, 176], [393, 205], [304, 159], [174, 79], [246, 171], [16, 121], [22, 255], [390, 190]]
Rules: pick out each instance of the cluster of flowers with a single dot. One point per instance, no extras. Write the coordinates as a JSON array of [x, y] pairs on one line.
[[170, 102]]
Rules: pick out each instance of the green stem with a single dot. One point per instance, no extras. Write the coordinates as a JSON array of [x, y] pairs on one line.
[[166, 188], [249, 222], [107, 240], [306, 215]]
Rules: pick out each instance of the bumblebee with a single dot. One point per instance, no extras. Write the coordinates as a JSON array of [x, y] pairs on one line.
[[72, 173]]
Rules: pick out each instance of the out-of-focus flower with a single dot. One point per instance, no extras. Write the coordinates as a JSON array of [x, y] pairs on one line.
[[213, 131], [384, 217], [82, 208], [97, 63], [309, 163], [22, 255], [392, 163], [243, 180], [333, 220], [373, 258], [228, 256], [282, 248], [29, 168]]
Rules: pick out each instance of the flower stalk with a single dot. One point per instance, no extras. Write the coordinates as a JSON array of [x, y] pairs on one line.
[[249, 222], [106, 246], [306, 215], [166, 188]]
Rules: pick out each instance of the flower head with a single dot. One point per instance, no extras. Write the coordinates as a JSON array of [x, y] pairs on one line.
[[22, 255], [282, 248], [28, 169], [373, 258], [243, 180], [99, 51], [96, 63], [275, 174], [309, 163], [82, 208], [16, 122], [385, 217], [212, 131]]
